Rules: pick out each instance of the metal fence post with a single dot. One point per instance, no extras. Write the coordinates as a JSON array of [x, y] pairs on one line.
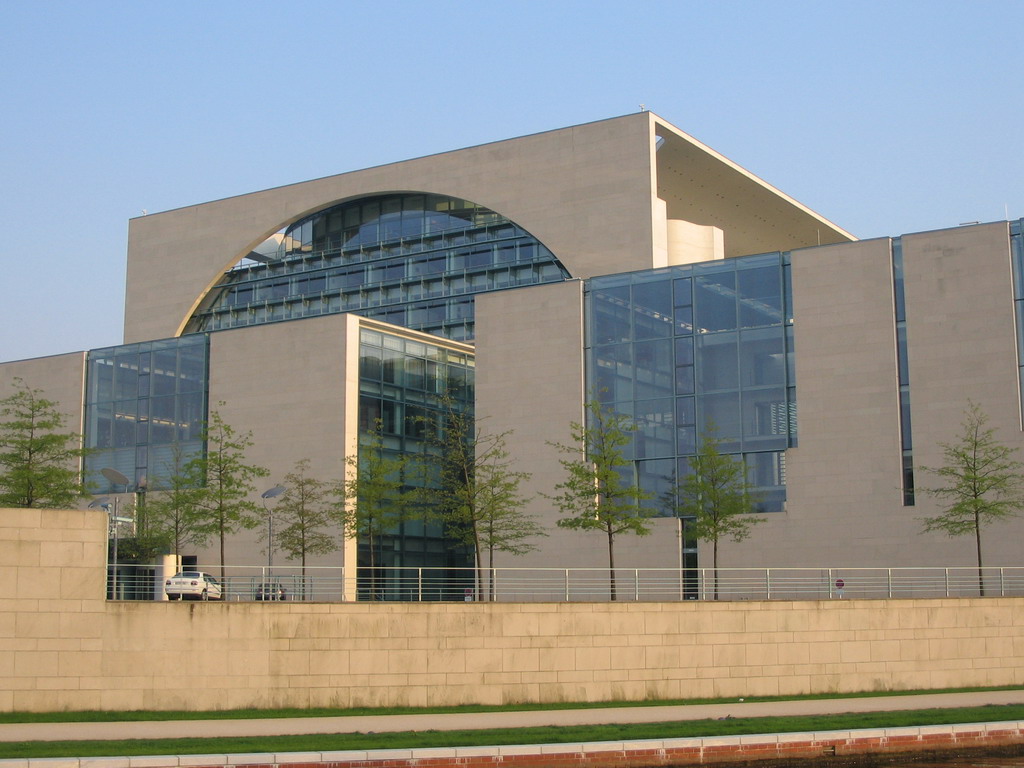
[[636, 585], [767, 583]]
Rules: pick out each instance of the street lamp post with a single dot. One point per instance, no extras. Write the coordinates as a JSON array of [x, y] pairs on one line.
[[268, 494], [115, 478], [140, 507], [267, 591]]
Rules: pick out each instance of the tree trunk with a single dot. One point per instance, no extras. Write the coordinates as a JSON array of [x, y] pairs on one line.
[[222, 537], [478, 575], [611, 563], [373, 566], [490, 573], [714, 566], [977, 541]]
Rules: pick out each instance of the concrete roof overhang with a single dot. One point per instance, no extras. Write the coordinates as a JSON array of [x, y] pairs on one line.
[[701, 186]]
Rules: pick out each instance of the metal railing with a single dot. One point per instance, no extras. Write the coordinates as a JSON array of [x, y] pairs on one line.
[[410, 584]]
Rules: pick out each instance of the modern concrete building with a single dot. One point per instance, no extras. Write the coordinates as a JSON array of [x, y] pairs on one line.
[[622, 259]]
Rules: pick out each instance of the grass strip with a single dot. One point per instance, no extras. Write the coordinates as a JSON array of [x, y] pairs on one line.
[[503, 736], [98, 716]]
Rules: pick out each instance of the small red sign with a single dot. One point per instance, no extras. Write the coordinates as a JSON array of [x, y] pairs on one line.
[[840, 583]]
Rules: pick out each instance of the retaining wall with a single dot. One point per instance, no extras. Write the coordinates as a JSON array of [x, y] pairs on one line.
[[64, 647]]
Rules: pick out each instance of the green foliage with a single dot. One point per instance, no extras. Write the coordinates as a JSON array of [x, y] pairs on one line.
[[715, 500], [477, 493], [715, 496], [595, 496], [171, 514], [372, 499], [39, 462], [303, 513], [980, 482], [224, 483]]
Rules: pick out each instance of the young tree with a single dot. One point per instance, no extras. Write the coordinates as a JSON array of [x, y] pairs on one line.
[[171, 513], [225, 481], [372, 498], [981, 483], [478, 491], [716, 498], [39, 462], [304, 514], [595, 495]]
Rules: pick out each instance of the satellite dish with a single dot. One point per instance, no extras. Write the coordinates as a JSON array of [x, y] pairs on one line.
[[277, 490], [115, 477], [102, 501]]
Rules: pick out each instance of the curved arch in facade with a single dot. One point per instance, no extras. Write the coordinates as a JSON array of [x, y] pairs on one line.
[[414, 259]]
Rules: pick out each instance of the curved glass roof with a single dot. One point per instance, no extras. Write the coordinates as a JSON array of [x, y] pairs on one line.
[[412, 259]]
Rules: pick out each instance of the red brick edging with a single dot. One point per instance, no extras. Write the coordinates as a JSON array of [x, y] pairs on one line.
[[631, 754]]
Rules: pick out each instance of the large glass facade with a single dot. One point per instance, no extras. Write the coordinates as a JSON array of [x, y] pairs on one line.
[[683, 349], [406, 387], [903, 372], [414, 260], [1017, 256], [145, 409]]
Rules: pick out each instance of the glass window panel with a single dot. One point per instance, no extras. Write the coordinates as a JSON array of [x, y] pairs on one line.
[[652, 309], [765, 417], [391, 366], [903, 367], [905, 426], [655, 428], [101, 426], [717, 362], [715, 302], [415, 373], [126, 376], [684, 383], [762, 358], [191, 416], [101, 380], [370, 362], [165, 378], [611, 315], [790, 356], [767, 469], [686, 429], [614, 372], [683, 320], [760, 296], [682, 291], [656, 476], [721, 413]]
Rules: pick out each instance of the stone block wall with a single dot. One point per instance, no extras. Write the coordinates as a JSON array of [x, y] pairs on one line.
[[63, 647]]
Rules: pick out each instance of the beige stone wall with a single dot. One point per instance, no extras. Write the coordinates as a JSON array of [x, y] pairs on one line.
[[960, 327], [531, 341], [845, 504], [60, 377], [52, 612], [585, 192], [295, 387], [595, 194], [63, 647]]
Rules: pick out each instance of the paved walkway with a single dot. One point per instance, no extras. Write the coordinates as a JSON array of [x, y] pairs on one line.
[[480, 720]]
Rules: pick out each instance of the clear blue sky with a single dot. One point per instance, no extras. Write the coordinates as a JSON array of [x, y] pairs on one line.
[[885, 117]]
